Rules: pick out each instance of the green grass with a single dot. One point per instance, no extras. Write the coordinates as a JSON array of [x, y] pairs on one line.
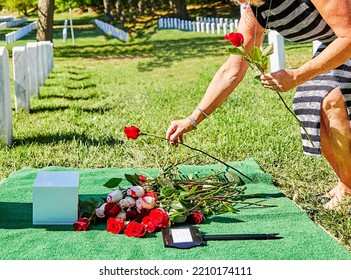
[[99, 85]]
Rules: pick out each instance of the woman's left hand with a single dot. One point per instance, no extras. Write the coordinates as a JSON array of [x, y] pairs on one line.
[[282, 80]]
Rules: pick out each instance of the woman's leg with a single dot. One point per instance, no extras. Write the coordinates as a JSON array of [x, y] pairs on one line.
[[328, 151], [336, 142]]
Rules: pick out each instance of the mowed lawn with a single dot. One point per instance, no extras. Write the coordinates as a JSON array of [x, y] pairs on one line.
[[99, 85]]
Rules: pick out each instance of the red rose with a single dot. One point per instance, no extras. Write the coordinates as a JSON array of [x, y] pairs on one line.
[[196, 218], [142, 179], [112, 209], [81, 224], [152, 194], [237, 39], [159, 217], [149, 226], [132, 214], [135, 229], [132, 132], [115, 225]]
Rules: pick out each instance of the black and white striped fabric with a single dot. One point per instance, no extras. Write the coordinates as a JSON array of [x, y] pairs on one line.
[[299, 21]]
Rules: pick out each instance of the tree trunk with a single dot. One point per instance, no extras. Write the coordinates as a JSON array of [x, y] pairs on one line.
[[45, 27], [107, 8], [181, 10]]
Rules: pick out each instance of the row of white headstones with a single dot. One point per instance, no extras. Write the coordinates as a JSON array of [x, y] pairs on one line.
[[6, 22], [32, 65], [19, 33]]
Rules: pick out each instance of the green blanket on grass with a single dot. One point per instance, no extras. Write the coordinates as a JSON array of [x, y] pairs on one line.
[[302, 239]]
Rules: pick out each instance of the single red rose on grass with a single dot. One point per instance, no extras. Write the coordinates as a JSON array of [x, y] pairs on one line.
[[196, 217], [81, 224], [135, 229], [237, 39], [115, 225], [132, 132], [112, 209]]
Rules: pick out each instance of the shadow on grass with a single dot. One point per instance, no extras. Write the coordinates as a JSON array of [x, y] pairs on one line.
[[52, 108], [160, 53], [56, 138], [70, 97]]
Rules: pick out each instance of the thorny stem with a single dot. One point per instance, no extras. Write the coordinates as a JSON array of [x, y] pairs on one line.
[[250, 61], [198, 150]]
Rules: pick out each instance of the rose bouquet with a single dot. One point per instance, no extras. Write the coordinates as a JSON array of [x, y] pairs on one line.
[[151, 203]]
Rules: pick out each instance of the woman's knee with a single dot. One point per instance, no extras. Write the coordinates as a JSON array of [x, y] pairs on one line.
[[333, 105]]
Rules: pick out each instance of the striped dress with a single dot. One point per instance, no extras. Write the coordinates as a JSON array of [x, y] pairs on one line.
[[299, 21]]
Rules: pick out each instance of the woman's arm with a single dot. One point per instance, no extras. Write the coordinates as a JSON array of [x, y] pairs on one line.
[[337, 14], [224, 81]]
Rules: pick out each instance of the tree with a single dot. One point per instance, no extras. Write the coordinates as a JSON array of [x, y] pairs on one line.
[[22, 6], [181, 9], [45, 28]]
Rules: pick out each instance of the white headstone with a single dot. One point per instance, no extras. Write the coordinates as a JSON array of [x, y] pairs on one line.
[[47, 58], [315, 45], [225, 28], [20, 76], [277, 59], [41, 63], [236, 24], [6, 134], [197, 26], [33, 69], [64, 31], [213, 28], [219, 28], [231, 27], [51, 56]]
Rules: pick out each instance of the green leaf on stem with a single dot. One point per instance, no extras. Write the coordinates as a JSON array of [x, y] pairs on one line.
[[164, 182], [268, 50], [232, 177], [177, 217], [236, 51], [133, 179], [256, 54], [113, 183], [168, 191]]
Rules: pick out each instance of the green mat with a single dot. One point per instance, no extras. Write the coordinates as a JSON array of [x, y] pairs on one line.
[[302, 239]]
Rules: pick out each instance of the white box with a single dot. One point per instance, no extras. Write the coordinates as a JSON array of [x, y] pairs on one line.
[[55, 198]]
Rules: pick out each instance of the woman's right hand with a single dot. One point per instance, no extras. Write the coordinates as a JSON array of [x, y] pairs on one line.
[[177, 129]]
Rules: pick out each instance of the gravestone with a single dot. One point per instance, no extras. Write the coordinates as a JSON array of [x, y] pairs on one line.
[[315, 46], [41, 63], [6, 134], [33, 69], [51, 64], [64, 31], [20, 76], [277, 59]]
